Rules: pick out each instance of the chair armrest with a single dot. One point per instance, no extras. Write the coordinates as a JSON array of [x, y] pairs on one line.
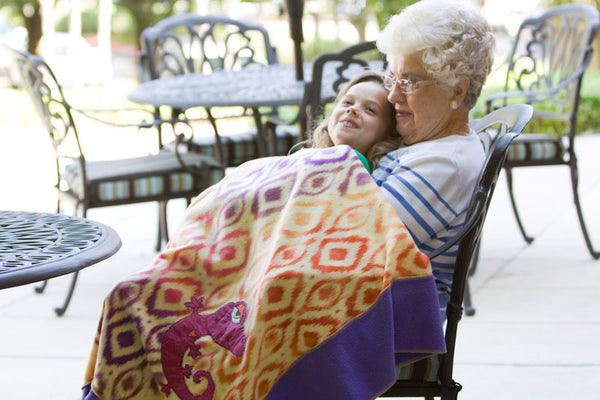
[[276, 120], [95, 115], [273, 121], [143, 62], [202, 163]]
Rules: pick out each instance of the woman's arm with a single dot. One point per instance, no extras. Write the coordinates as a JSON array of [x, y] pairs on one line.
[[425, 190]]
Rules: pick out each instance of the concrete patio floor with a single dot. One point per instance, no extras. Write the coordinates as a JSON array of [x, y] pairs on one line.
[[534, 335]]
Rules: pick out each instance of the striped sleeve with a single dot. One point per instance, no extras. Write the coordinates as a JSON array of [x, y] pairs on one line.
[[425, 191]]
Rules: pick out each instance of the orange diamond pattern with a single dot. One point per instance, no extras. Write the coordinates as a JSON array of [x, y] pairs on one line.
[[308, 242]]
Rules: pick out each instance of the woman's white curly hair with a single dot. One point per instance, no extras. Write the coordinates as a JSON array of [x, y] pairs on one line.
[[455, 38]]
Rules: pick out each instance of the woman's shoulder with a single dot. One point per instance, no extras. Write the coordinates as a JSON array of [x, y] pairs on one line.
[[446, 147], [457, 141], [451, 154]]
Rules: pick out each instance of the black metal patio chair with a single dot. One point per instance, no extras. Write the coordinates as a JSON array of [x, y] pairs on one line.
[[91, 184], [546, 65], [497, 130], [192, 43]]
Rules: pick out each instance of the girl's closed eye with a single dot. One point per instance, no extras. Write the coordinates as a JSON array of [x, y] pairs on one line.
[[372, 108]]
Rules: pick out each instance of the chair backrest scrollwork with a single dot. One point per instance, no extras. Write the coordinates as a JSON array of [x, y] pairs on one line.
[[55, 113], [549, 56], [47, 96], [187, 43]]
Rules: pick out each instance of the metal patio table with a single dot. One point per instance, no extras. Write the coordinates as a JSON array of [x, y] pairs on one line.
[[272, 85], [38, 246]]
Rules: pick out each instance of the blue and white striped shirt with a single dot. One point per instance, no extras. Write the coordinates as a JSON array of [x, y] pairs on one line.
[[430, 184]]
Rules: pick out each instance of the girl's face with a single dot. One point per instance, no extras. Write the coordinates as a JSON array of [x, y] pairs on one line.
[[425, 113], [362, 117]]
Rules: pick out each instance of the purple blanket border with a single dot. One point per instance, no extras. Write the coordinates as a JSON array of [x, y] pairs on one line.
[[359, 362]]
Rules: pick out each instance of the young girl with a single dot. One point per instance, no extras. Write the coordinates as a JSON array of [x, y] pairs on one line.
[[362, 118]]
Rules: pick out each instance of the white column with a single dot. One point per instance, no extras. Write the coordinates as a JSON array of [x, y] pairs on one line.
[[48, 17], [47, 11], [202, 7], [104, 42], [75, 18]]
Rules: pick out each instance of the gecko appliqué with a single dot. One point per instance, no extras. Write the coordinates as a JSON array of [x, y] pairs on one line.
[[225, 326]]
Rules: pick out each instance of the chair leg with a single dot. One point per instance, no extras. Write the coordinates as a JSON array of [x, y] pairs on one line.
[[475, 260], [469, 310], [61, 310], [509, 180], [450, 396], [221, 153], [163, 232], [159, 130], [158, 245], [575, 183], [42, 287], [452, 392], [467, 302]]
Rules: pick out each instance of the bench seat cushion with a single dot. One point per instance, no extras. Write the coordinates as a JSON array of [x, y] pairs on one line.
[[141, 178], [534, 148]]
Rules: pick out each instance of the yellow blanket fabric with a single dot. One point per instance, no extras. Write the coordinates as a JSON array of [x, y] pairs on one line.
[[267, 266]]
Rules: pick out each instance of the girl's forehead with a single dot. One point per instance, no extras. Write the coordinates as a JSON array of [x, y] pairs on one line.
[[370, 93], [366, 89]]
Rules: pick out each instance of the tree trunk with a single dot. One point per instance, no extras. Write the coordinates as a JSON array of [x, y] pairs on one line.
[[33, 24]]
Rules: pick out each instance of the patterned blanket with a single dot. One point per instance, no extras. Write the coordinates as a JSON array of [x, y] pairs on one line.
[[292, 278]]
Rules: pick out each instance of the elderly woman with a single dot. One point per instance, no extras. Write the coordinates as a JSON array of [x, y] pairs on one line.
[[440, 53]]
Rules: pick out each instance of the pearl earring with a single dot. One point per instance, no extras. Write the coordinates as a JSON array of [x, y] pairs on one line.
[[454, 104]]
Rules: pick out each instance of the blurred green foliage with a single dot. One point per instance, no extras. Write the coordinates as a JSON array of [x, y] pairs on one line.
[[551, 3], [383, 10], [588, 117]]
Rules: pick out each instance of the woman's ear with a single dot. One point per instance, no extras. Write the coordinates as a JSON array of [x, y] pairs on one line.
[[461, 88]]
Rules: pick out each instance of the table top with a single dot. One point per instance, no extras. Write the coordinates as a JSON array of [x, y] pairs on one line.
[[38, 246], [256, 86], [270, 85]]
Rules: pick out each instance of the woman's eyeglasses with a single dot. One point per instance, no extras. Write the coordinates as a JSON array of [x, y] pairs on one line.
[[405, 86]]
